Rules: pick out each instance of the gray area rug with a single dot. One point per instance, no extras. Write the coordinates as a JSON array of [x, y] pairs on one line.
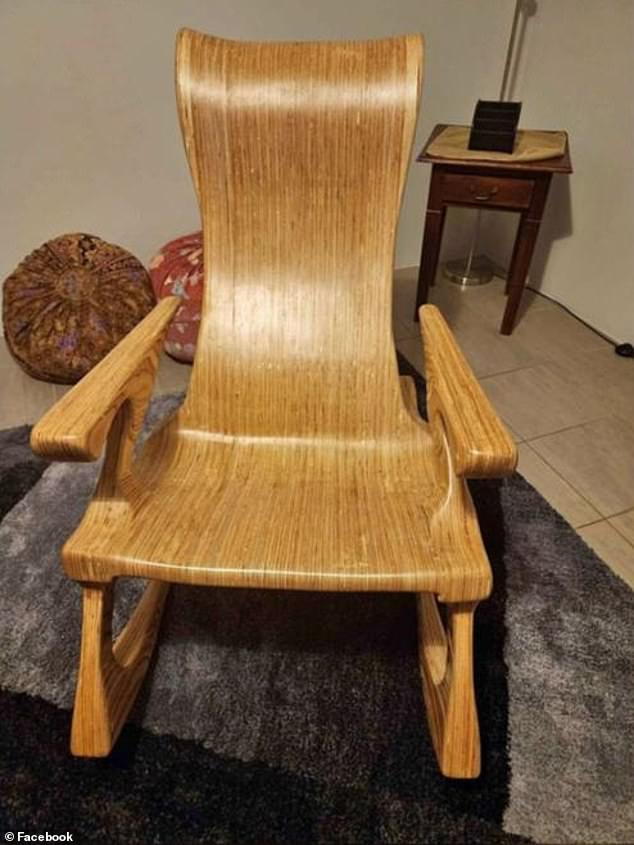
[[234, 667]]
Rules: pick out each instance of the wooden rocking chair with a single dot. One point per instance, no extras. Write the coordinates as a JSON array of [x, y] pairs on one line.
[[298, 460]]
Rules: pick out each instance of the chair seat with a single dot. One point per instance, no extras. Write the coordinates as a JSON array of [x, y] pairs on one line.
[[216, 511]]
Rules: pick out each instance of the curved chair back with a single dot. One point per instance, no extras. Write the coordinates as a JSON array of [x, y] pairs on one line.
[[298, 153]]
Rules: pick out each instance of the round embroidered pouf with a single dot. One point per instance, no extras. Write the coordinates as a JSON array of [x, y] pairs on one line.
[[177, 270], [69, 303]]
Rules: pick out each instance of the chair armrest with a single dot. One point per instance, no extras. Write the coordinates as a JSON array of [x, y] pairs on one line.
[[479, 443], [76, 427]]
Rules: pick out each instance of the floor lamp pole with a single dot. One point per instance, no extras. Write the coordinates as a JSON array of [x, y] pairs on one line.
[[477, 270], [510, 50]]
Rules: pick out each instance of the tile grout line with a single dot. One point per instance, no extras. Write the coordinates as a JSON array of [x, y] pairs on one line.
[[605, 517], [588, 524], [564, 429], [619, 513], [513, 370], [568, 482], [619, 532], [559, 475], [527, 441]]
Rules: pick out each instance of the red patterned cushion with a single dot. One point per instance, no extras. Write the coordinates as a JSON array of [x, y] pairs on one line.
[[177, 270], [70, 302]]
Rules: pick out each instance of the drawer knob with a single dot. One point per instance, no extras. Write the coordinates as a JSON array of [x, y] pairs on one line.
[[483, 197]]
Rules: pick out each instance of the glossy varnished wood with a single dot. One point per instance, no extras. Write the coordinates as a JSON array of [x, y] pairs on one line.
[[298, 459], [110, 674], [299, 152], [76, 427], [446, 666], [480, 445]]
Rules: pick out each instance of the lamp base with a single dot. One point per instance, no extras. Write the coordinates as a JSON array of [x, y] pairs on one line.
[[460, 273]]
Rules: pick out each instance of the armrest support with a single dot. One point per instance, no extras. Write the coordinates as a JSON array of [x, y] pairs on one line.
[[479, 443], [76, 427]]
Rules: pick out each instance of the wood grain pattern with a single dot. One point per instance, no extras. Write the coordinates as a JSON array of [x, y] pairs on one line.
[[298, 459], [110, 675], [76, 427], [299, 152], [480, 444], [446, 666]]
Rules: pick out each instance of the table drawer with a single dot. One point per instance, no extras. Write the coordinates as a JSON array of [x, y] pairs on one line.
[[487, 190]]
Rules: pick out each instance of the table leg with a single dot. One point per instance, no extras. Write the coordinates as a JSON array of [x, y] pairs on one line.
[[434, 224], [522, 254], [512, 261], [525, 239]]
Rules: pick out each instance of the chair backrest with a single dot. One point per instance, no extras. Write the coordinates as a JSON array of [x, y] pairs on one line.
[[298, 153]]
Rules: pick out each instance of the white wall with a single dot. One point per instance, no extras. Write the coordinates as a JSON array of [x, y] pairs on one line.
[[90, 138], [576, 72]]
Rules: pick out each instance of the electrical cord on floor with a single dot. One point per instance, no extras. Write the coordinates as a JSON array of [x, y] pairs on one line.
[[625, 350]]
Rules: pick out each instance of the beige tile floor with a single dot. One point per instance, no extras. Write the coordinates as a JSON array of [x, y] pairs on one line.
[[566, 397]]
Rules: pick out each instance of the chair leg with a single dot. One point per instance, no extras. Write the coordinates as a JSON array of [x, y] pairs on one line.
[[446, 665], [110, 674]]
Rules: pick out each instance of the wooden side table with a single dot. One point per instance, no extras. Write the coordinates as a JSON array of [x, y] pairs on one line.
[[511, 186]]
